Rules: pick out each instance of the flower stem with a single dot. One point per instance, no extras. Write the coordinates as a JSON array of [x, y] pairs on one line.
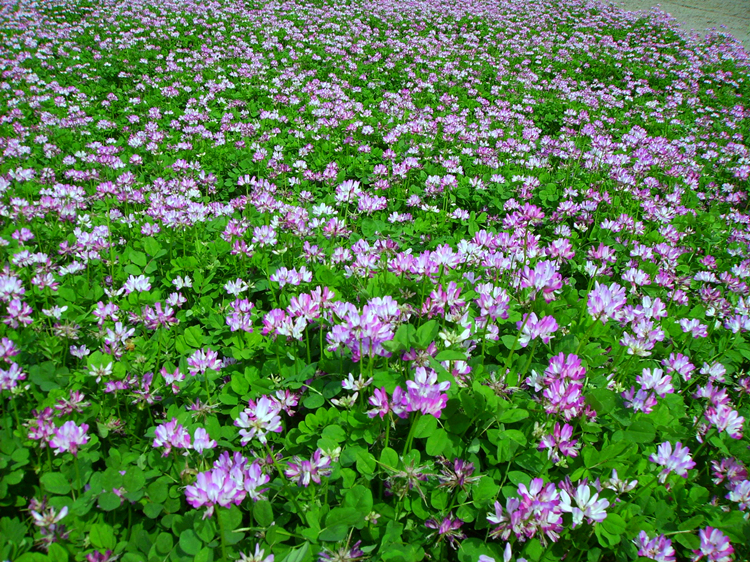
[[410, 437], [221, 536]]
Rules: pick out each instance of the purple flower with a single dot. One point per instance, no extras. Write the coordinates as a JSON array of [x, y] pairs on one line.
[[379, 400], [229, 482], [202, 360], [425, 394], [342, 554], [537, 511], [740, 494], [606, 301], [725, 419], [304, 471], [257, 556], [583, 504], [259, 419], [659, 548], [714, 546], [171, 434], [139, 284], [640, 401], [448, 528], [656, 380], [202, 441], [532, 327], [457, 474], [561, 441], [678, 462], [69, 437]]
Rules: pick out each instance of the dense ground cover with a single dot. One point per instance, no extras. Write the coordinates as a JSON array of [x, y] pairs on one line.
[[376, 280]]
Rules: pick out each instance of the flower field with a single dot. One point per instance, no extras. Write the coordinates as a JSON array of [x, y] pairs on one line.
[[317, 280]]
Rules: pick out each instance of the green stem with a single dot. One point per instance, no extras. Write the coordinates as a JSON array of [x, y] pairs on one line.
[[221, 535], [513, 347], [531, 356], [78, 475], [410, 437]]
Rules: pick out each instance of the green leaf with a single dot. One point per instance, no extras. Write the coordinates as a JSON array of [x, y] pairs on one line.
[[102, 536], [690, 524], [263, 513], [194, 336], [158, 490], [334, 432], [109, 501], [485, 489], [365, 463], [688, 541], [389, 457], [189, 542], [164, 543], [437, 442], [313, 401], [405, 337], [614, 524], [427, 333], [450, 355], [360, 499], [134, 479], [640, 431], [425, 426], [55, 483], [299, 554], [138, 258], [509, 341], [57, 553], [152, 510], [348, 516], [602, 400], [512, 415]]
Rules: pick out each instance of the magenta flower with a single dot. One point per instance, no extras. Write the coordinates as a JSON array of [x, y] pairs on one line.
[[740, 494], [69, 437], [606, 301], [203, 360], [537, 511], [561, 441], [303, 471], [426, 394], [448, 529], [583, 504], [714, 546], [379, 400], [659, 548], [678, 462], [171, 434], [532, 327], [259, 419], [202, 441], [231, 480]]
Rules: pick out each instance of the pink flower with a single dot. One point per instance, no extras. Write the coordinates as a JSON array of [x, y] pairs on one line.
[[202, 360], [714, 546], [202, 441], [171, 434], [659, 548], [678, 462], [583, 504], [605, 302], [69, 437], [304, 471]]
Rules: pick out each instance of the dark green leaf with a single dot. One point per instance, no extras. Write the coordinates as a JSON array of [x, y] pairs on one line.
[[263, 513], [189, 542], [102, 536], [55, 483]]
